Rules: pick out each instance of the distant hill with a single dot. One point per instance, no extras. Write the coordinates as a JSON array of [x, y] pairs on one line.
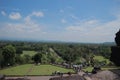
[[109, 43]]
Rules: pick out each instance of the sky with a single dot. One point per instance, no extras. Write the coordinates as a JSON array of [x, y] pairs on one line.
[[91, 21]]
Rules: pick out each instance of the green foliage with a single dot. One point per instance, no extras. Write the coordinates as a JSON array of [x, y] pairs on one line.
[[37, 58], [57, 52], [1, 59], [45, 59], [9, 55], [102, 59], [19, 59]]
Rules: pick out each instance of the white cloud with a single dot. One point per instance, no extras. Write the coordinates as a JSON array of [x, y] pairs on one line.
[[74, 28], [37, 14], [93, 30], [3, 13], [21, 27], [21, 30], [83, 25], [74, 17], [89, 22], [28, 19], [63, 21], [15, 15], [27, 28]]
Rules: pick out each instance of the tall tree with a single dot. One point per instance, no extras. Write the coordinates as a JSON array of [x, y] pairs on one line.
[[37, 58], [9, 55], [1, 59]]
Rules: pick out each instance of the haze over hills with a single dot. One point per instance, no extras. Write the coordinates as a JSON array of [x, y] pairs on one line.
[[56, 41]]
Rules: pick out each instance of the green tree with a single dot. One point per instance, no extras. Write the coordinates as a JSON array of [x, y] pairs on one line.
[[37, 58], [27, 58], [19, 59], [9, 55], [1, 59], [44, 59]]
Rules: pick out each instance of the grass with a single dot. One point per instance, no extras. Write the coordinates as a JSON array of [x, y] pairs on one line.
[[89, 69], [30, 53], [48, 70], [36, 70], [18, 70], [101, 58]]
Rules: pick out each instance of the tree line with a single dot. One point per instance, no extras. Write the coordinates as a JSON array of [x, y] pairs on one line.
[[10, 52]]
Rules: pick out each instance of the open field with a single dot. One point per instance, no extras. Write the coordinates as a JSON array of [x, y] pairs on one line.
[[101, 58], [30, 53], [30, 69], [18, 70], [48, 70]]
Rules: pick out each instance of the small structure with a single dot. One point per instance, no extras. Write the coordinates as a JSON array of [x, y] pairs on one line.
[[57, 73], [66, 65], [77, 68]]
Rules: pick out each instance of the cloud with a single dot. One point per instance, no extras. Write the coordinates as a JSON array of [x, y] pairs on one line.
[[21, 27], [27, 28], [15, 16], [74, 17], [93, 30], [28, 19], [21, 30], [74, 28], [63, 21], [37, 14], [83, 25], [87, 30], [3, 13]]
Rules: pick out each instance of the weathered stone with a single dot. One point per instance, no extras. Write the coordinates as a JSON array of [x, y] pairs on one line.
[[115, 55], [117, 38]]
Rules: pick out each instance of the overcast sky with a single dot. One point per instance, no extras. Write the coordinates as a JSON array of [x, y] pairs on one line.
[[60, 20]]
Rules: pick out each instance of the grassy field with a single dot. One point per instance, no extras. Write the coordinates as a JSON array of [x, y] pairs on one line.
[[101, 58], [35, 70], [30, 53], [48, 70], [18, 70]]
